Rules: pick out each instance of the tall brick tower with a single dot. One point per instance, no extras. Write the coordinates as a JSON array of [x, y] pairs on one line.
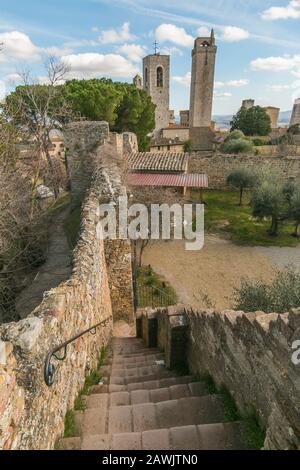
[[156, 82], [202, 89]]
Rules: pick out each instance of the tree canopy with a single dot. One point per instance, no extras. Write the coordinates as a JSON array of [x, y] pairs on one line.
[[241, 179], [122, 105], [252, 121]]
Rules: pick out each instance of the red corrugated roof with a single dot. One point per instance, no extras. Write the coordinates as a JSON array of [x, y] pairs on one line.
[[168, 180]]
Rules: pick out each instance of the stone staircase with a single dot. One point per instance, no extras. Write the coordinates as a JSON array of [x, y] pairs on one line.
[[143, 406]]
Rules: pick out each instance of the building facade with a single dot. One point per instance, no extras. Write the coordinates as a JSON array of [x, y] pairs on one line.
[[156, 82]]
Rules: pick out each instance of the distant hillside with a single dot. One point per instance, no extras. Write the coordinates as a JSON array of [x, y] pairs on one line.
[[224, 120]]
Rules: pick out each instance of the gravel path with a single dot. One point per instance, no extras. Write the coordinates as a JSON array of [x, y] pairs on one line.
[[281, 257], [207, 278], [56, 269]]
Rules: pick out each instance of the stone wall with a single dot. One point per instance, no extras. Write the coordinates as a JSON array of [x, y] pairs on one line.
[[82, 140], [250, 354], [218, 167], [103, 163], [31, 414]]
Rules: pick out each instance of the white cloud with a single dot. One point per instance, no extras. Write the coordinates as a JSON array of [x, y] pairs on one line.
[[277, 64], [133, 52], [234, 34], [222, 96], [114, 36], [292, 10], [283, 87], [91, 65], [203, 31], [2, 90], [171, 51], [238, 83], [171, 33], [18, 46], [185, 80], [232, 83]]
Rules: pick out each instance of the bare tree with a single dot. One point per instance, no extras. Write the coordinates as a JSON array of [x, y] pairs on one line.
[[37, 110]]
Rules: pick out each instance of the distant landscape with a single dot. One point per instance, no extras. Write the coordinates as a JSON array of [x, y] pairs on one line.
[[223, 121]]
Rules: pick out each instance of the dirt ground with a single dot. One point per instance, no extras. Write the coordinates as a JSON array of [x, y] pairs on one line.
[[123, 330], [207, 278]]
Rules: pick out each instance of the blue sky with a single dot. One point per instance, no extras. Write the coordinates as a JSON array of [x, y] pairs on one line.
[[258, 43]]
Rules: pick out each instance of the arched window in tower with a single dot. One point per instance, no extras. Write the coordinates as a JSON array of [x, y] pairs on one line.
[[160, 77], [146, 75]]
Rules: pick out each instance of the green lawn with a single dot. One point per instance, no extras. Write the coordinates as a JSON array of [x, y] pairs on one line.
[[224, 216]]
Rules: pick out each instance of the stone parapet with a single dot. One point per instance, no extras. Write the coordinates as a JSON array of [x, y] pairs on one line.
[[248, 353], [218, 167]]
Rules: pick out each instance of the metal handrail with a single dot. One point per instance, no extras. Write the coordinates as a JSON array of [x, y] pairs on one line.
[[163, 295], [49, 368]]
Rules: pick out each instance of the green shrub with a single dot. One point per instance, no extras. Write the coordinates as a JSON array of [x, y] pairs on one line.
[[238, 146], [258, 142], [234, 135], [279, 296]]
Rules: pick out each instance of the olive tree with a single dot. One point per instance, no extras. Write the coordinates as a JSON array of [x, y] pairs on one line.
[[268, 200], [295, 211], [241, 179]]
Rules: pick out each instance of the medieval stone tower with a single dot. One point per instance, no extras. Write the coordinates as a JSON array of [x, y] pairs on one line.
[[138, 81], [202, 88], [295, 119], [156, 82]]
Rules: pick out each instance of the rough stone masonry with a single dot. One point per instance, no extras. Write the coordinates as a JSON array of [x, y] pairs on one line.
[[31, 414]]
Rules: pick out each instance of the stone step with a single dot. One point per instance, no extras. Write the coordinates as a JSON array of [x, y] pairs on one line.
[[218, 436], [116, 380], [141, 371], [164, 415], [147, 385], [141, 353], [137, 361], [135, 397]]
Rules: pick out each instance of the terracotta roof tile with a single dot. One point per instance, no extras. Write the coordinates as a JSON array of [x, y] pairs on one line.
[[158, 162]]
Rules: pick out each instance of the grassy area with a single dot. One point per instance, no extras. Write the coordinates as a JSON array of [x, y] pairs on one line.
[[69, 424], [60, 204], [224, 216], [94, 378], [254, 434], [152, 290]]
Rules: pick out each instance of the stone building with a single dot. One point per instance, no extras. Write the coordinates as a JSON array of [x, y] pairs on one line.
[[248, 103], [295, 119], [273, 114], [185, 118], [156, 82], [202, 87], [138, 81]]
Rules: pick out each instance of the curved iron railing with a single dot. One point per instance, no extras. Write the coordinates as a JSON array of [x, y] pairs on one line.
[[49, 368]]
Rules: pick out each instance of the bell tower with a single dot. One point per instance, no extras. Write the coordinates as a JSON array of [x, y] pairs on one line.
[[156, 82]]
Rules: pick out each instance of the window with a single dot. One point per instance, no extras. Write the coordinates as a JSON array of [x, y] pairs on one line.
[[146, 75], [160, 77]]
